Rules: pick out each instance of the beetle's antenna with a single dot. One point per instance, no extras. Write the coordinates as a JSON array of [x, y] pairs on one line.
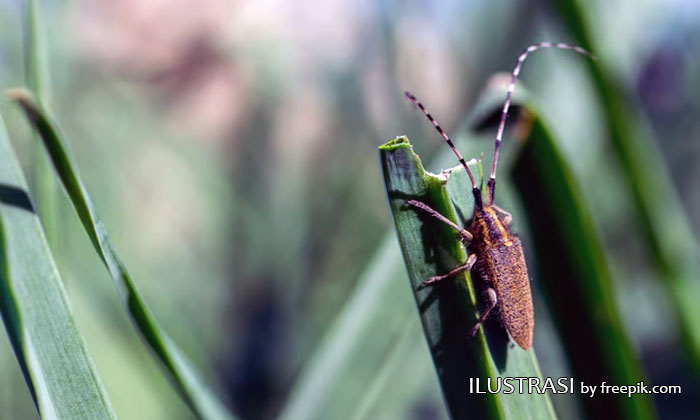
[[420, 106], [511, 88]]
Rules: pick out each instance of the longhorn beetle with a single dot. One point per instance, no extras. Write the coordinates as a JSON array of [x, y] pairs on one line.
[[495, 252]]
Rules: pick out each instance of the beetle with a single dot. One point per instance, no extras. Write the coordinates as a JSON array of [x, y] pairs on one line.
[[495, 253]]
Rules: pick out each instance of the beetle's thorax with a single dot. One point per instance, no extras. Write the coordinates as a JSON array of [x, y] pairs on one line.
[[488, 229]]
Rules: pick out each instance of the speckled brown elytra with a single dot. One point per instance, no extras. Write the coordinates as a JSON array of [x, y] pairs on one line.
[[494, 251]]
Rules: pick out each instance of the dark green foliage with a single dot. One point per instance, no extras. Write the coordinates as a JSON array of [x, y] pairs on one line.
[[574, 274], [659, 214]]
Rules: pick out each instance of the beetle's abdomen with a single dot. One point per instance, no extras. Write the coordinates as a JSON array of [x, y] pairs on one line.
[[500, 262], [506, 271]]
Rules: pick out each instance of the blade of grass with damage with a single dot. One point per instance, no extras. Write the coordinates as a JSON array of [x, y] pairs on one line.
[[195, 392], [448, 310]]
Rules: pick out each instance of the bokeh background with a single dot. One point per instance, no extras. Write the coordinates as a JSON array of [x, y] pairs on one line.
[[231, 147]]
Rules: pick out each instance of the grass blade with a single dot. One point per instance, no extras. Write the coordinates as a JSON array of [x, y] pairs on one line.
[[335, 378], [35, 61], [49, 348], [382, 381], [199, 397], [448, 310], [37, 78], [575, 276], [660, 215]]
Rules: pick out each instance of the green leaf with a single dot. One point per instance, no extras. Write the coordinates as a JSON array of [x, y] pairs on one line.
[[36, 74], [660, 215], [380, 388], [199, 397], [361, 340], [35, 61], [49, 348], [448, 310], [574, 274]]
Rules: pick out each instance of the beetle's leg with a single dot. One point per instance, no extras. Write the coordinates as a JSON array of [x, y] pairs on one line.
[[505, 217], [467, 266], [493, 300], [463, 233]]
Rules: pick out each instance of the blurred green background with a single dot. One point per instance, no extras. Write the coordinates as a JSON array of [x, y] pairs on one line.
[[231, 149]]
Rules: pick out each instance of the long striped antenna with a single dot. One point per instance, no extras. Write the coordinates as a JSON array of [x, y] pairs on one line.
[[416, 102], [513, 79]]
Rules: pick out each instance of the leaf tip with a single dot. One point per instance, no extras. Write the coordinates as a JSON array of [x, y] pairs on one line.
[[398, 142], [18, 94], [25, 99]]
